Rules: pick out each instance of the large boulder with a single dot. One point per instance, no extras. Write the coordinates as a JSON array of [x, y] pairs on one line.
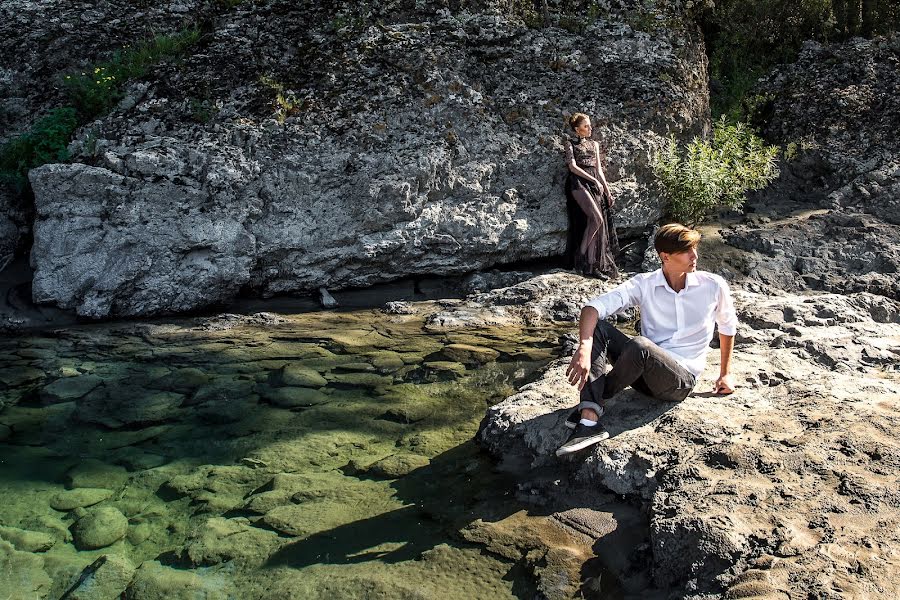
[[379, 144]]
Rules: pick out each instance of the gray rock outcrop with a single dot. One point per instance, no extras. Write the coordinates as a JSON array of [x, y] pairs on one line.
[[399, 143]]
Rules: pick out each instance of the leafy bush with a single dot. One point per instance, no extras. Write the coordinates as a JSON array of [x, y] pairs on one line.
[[711, 175], [96, 90], [45, 142]]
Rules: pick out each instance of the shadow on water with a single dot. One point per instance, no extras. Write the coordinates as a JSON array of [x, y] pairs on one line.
[[456, 488]]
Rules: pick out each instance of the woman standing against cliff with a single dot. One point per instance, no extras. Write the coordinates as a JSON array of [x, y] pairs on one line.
[[587, 187]]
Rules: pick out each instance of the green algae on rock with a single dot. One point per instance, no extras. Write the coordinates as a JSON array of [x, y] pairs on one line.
[[99, 527]]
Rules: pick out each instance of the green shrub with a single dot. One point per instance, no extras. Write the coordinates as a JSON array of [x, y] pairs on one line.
[[45, 142], [709, 175], [96, 90]]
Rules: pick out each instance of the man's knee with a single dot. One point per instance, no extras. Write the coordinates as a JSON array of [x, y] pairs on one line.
[[642, 342], [638, 346]]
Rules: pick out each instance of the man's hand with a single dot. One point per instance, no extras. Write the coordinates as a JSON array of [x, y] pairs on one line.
[[580, 366], [724, 385]]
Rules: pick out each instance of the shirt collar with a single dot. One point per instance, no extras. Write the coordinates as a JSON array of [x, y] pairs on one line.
[[660, 280]]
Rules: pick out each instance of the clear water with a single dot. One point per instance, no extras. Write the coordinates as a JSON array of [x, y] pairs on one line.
[[322, 455]]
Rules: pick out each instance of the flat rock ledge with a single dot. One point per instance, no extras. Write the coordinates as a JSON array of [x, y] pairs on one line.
[[786, 489]]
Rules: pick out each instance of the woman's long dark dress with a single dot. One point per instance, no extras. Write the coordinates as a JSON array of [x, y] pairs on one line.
[[596, 248]]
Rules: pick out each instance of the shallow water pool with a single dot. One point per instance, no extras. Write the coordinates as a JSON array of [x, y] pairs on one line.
[[322, 455]]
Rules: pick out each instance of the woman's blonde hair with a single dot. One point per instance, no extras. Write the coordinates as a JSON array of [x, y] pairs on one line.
[[576, 120], [674, 238]]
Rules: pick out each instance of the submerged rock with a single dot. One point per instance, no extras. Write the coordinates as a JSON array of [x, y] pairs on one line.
[[69, 388], [116, 406], [104, 579], [153, 581], [79, 498], [96, 474], [296, 375], [24, 575], [293, 397], [27, 541], [99, 527], [220, 540], [390, 467]]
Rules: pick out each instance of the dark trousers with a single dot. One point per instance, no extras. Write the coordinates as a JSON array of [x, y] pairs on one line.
[[637, 362]]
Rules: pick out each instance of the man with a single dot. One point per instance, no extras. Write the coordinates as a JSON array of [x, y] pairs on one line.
[[679, 307]]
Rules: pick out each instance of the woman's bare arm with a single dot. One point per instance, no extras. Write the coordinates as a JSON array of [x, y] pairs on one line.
[[574, 168], [603, 183]]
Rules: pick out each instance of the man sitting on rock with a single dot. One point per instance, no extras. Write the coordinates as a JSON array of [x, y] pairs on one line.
[[679, 308]]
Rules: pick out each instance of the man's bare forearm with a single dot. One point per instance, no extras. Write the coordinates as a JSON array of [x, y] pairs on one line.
[[587, 323], [726, 345]]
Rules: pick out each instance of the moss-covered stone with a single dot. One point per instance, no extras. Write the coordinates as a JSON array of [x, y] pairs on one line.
[[219, 540], [292, 397], [19, 375], [118, 406], [104, 579], [368, 380], [468, 354], [99, 528], [216, 489], [298, 375], [391, 467], [386, 361], [79, 498], [153, 581], [27, 541], [182, 380], [23, 574]]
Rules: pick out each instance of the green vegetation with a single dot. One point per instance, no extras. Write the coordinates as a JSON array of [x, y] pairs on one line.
[[202, 111], [746, 38], [285, 102], [93, 92], [96, 90], [708, 176], [46, 142]]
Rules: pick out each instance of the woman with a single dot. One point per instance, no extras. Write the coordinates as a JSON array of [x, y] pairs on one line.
[[587, 187]]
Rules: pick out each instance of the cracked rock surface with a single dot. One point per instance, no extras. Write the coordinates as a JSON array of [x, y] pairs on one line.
[[365, 144]]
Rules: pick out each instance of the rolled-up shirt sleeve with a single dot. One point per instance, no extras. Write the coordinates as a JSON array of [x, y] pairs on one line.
[[620, 297], [726, 318]]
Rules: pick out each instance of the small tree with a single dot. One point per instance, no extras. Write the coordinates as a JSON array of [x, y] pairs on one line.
[[715, 174]]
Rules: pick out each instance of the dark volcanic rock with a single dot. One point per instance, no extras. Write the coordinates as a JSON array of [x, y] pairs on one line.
[[839, 102]]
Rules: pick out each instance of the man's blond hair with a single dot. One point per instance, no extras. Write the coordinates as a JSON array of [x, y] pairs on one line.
[[674, 238]]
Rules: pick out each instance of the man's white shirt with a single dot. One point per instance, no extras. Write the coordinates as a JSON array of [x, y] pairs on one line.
[[681, 323]]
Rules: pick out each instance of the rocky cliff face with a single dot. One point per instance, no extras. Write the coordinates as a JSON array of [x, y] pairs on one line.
[[300, 146], [41, 42], [836, 111]]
